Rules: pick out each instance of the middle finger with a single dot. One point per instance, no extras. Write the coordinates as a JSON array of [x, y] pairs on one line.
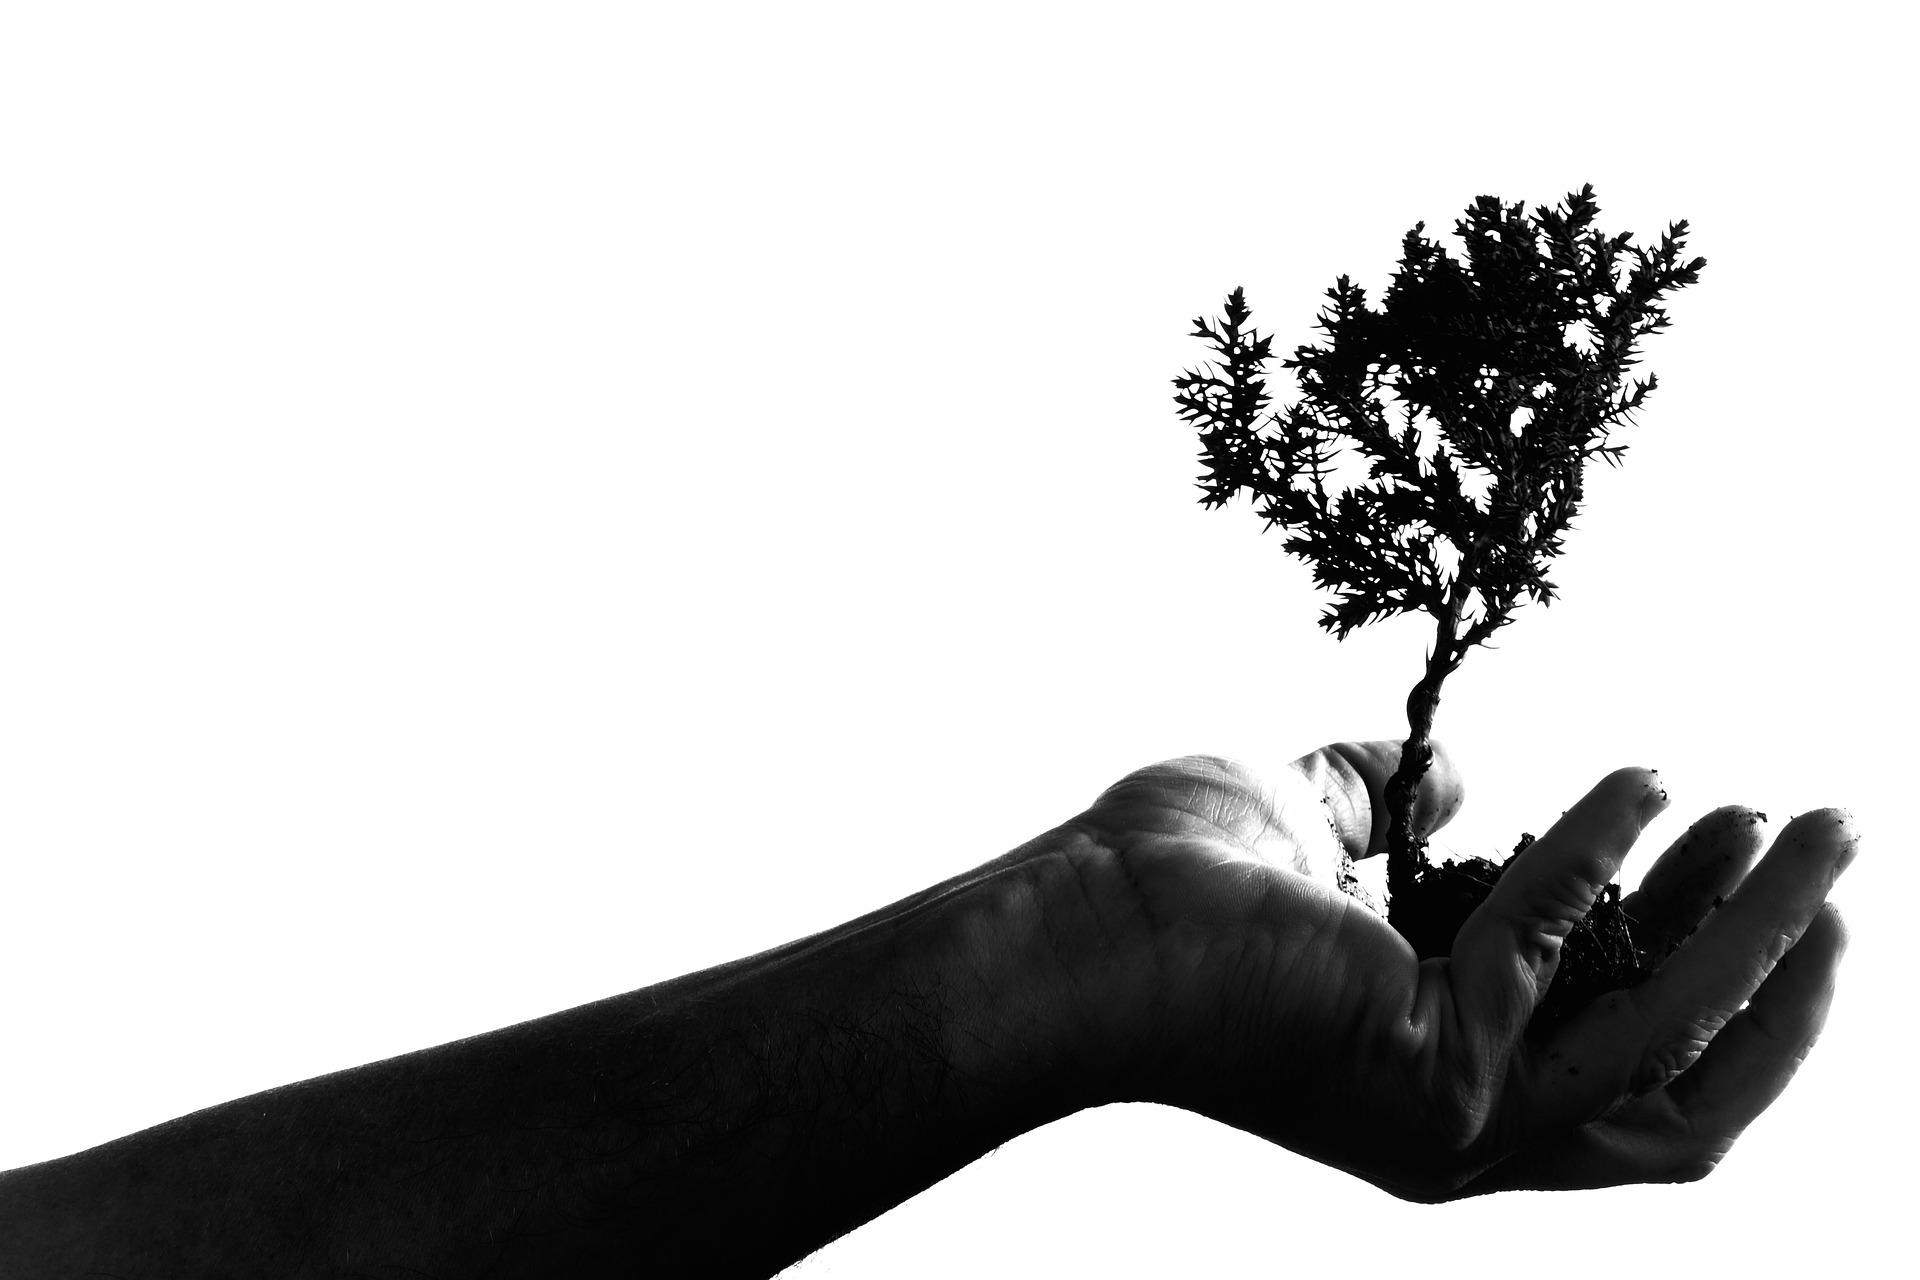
[[1692, 877]]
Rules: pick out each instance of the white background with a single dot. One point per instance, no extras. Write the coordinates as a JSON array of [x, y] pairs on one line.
[[501, 505]]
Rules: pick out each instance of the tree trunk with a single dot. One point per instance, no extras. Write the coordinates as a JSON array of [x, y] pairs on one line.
[[1405, 853]]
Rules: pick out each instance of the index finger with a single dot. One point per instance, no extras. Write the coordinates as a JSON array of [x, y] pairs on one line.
[[1507, 951]]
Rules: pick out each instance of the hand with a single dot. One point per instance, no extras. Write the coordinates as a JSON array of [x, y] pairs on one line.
[[1288, 1009], [1179, 942]]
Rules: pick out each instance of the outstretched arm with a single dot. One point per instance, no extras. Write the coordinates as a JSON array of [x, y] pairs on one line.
[[724, 1123], [1180, 942]]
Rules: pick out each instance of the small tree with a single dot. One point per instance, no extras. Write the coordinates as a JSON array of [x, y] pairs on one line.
[[1515, 358]]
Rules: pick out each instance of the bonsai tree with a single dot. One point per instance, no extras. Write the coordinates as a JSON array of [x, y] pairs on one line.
[[1505, 373]]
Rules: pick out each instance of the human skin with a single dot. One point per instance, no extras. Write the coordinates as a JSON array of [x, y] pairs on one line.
[[1179, 941]]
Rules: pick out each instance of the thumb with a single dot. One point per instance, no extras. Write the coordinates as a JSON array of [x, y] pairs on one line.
[[1352, 780]]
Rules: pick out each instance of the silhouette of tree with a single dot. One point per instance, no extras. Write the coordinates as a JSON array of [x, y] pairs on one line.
[[1506, 373]]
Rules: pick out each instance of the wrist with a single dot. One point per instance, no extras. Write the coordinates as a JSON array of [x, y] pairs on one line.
[[1061, 985]]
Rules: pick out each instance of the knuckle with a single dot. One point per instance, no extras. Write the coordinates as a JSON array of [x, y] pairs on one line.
[[1779, 943], [1671, 1047], [1539, 939], [1669, 1057]]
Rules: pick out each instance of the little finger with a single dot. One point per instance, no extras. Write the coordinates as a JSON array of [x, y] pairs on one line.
[[1756, 1054]]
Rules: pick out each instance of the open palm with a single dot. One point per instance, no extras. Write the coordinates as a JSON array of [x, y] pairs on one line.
[[1291, 1010]]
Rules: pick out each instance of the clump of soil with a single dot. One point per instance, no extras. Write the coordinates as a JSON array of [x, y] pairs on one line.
[[1599, 956]]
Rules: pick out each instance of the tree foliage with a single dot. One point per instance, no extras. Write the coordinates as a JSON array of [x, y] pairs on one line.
[[1514, 356], [1476, 393]]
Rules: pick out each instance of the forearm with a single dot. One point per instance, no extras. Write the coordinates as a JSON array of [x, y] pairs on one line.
[[728, 1122]]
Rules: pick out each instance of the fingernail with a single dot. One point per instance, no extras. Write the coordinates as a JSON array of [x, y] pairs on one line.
[[1655, 801], [1845, 834]]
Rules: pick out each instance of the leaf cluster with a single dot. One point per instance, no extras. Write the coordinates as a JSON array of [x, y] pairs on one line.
[[1508, 364]]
